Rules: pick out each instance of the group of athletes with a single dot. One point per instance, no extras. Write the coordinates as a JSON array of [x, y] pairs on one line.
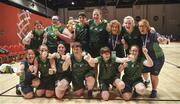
[[90, 53]]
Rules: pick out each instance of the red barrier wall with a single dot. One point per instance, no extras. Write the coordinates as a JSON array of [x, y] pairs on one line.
[[8, 24]]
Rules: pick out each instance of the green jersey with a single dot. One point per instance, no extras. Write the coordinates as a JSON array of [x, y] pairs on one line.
[[108, 70], [36, 41], [152, 44], [79, 69], [134, 38], [60, 74], [134, 70], [43, 67], [52, 39], [97, 32], [81, 33], [59, 63]]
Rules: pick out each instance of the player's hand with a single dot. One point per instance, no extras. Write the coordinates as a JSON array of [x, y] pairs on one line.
[[123, 41], [51, 71], [31, 68], [19, 73], [131, 57], [124, 65], [145, 51], [57, 33]]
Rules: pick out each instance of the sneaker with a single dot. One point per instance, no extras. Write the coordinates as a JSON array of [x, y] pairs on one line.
[[146, 83], [18, 92], [153, 94], [90, 94]]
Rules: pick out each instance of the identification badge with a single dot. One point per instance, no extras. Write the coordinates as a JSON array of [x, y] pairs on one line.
[[113, 53]]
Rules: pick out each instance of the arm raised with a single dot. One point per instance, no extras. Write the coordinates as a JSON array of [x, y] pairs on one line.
[[148, 62]]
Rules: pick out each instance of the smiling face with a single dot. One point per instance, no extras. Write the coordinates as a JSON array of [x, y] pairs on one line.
[[55, 22], [39, 27], [105, 53], [82, 19], [30, 55], [61, 49], [106, 56], [96, 15], [114, 28], [144, 26], [143, 29], [128, 24], [134, 51], [76, 48], [43, 50]]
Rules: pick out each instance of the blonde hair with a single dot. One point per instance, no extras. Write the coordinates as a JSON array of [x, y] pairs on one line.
[[145, 23], [109, 25], [129, 18], [71, 22]]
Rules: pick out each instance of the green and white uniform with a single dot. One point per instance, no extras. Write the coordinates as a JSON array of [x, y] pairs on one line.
[[132, 74], [98, 37], [134, 38], [47, 81], [80, 70], [82, 36], [52, 39], [155, 52], [108, 72], [60, 74], [36, 41]]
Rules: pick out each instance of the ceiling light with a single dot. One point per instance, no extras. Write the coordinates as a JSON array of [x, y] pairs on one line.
[[72, 3]]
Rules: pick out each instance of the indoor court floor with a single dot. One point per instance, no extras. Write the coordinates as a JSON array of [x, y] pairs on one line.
[[168, 89]]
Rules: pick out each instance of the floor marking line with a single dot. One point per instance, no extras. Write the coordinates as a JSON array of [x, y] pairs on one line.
[[7, 90]]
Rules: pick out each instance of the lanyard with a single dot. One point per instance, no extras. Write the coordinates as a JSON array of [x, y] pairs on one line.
[[125, 54], [114, 43], [145, 41]]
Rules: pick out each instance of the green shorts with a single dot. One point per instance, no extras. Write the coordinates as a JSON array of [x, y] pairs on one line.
[[129, 84], [78, 80], [104, 84], [47, 83], [64, 75]]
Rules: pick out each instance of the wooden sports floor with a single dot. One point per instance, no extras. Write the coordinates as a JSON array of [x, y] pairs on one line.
[[168, 89]]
